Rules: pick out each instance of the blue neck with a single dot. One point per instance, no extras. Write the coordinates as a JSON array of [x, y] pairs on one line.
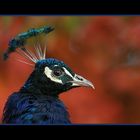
[[30, 109]]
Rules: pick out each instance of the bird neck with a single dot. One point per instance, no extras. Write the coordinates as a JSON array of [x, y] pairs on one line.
[[35, 109], [37, 86]]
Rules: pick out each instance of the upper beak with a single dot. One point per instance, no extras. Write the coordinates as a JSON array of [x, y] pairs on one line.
[[81, 81]]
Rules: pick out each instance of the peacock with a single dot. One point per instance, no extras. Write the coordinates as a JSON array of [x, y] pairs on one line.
[[37, 101]]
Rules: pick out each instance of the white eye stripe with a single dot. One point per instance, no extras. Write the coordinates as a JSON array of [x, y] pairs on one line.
[[67, 72], [48, 73]]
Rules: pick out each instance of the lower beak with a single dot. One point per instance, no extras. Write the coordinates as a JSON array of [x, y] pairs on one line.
[[80, 81]]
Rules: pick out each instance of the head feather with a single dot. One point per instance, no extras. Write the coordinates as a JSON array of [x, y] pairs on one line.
[[19, 44]]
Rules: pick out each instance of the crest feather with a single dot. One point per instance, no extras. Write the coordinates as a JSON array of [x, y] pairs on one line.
[[19, 44]]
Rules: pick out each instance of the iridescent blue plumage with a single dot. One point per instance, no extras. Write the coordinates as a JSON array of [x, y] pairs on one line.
[[37, 101], [23, 108]]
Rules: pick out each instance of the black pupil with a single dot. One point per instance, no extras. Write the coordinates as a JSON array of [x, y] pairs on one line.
[[57, 72]]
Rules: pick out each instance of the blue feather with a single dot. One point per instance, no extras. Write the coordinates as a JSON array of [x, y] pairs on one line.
[[25, 109]]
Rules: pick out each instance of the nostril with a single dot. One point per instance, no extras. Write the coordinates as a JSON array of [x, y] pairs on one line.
[[79, 78]]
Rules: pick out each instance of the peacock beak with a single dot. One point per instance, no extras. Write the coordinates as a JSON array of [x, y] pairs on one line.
[[81, 81]]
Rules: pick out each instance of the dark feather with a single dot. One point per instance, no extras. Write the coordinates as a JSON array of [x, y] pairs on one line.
[[24, 108]]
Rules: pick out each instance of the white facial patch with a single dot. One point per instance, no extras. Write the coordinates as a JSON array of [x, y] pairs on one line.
[[48, 73]]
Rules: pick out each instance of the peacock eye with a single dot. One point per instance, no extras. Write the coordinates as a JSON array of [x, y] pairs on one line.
[[58, 72]]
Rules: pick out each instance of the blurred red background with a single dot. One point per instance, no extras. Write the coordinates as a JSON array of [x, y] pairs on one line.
[[103, 49]]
